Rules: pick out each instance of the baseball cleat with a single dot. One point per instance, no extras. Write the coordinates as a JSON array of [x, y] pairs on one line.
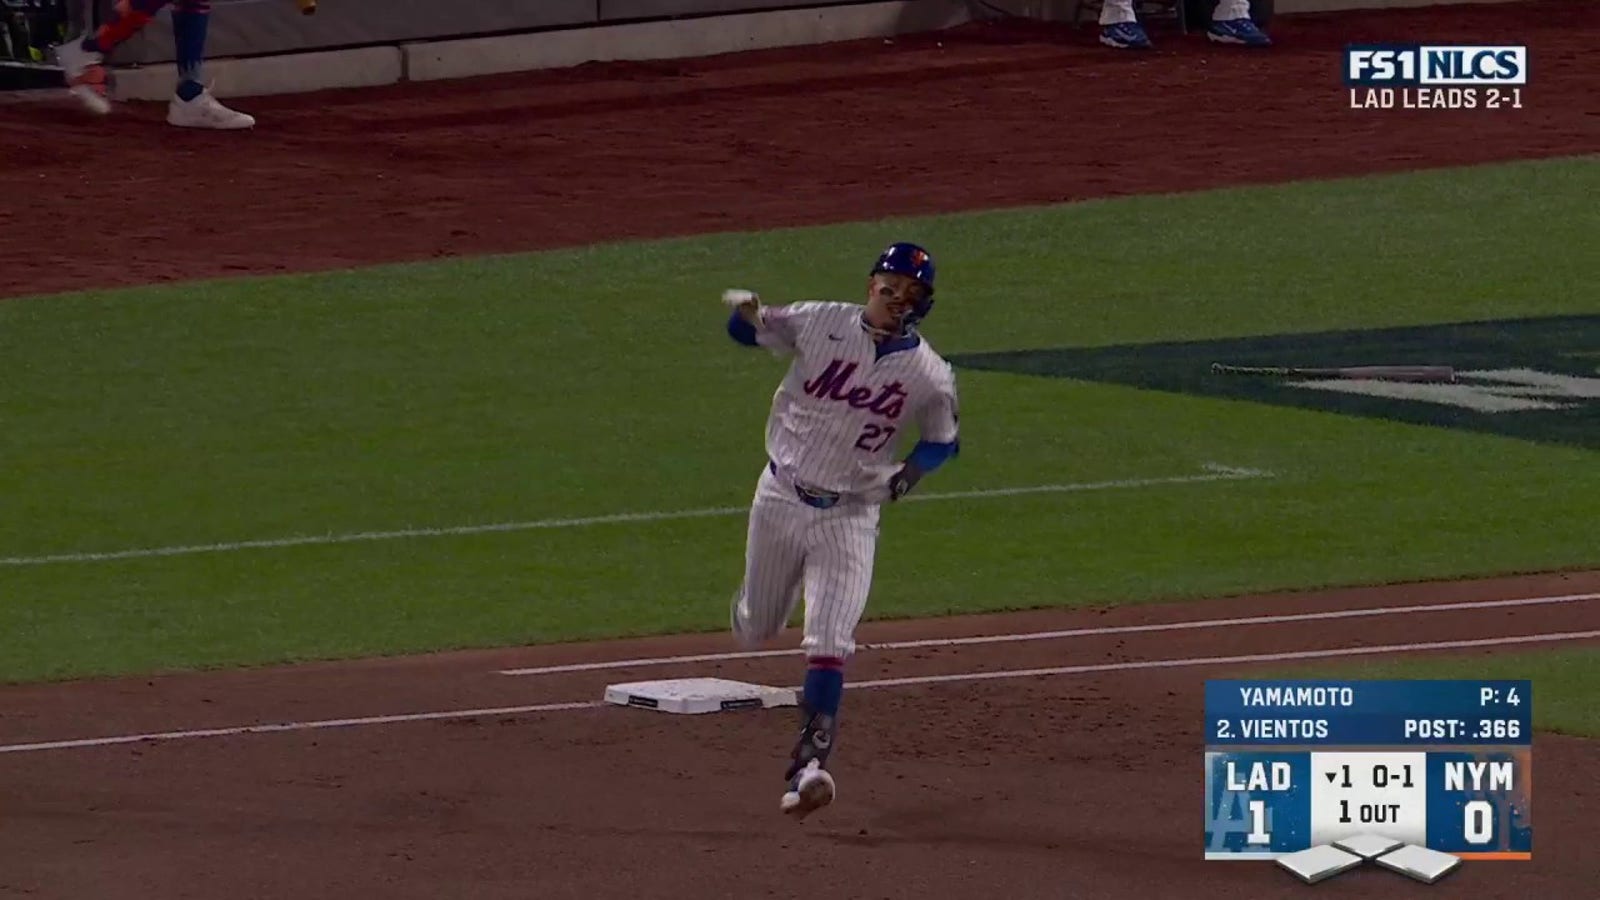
[[813, 789], [205, 111], [1238, 31], [85, 74], [1125, 36]]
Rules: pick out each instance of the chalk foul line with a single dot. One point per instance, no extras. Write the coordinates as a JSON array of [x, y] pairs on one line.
[[1099, 631], [81, 743], [1213, 472], [295, 726], [1548, 637]]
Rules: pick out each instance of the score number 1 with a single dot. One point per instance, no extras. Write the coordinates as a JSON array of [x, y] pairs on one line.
[[1258, 824]]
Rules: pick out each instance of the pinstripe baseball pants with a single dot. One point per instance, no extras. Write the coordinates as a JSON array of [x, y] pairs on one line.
[[792, 547]]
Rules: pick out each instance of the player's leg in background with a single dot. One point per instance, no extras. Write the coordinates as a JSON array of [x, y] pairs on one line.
[[83, 62], [190, 21], [128, 18], [841, 547], [1120, 28], [774, 557], [1231, 24], [192, 106]]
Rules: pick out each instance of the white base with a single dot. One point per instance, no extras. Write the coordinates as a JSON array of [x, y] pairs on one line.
[[1318, 863], [1426, 866], [692, 696]]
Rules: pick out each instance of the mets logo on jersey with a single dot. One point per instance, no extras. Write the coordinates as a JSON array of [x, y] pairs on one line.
[[834, 384]]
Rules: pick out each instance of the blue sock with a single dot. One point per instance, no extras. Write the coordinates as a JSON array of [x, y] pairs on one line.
[[824, 686], [189, 34]]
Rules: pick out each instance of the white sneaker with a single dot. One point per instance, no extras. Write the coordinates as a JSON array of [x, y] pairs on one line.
[[813, 789], [205, 111], [85, 74]]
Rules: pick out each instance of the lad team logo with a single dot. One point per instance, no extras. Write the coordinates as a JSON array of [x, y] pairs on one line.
[[1435, 76]]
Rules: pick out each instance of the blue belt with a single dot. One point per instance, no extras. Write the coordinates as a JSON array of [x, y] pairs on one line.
[[809, 496]]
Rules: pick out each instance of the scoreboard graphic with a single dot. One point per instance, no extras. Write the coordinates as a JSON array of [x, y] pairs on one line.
[[1301, 768]]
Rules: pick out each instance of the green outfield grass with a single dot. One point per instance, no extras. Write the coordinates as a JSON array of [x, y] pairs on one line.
[[1566, 683], [599, 381]]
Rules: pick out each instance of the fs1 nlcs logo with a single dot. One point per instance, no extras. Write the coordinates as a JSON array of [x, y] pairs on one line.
[[1432, 76], [1422, 65]]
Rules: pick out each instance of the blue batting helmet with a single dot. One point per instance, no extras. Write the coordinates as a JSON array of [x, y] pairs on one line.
[[913, 262]]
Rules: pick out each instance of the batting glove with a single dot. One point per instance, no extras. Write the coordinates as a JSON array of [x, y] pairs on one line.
[[901, 482]]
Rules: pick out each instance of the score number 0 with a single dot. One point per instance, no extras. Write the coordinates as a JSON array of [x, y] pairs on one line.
[[1477, 825]]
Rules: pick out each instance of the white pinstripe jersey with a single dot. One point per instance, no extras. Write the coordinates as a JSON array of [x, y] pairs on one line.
[[840, 412]]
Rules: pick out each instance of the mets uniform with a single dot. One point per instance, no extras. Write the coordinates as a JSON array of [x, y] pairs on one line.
[[852, 393]]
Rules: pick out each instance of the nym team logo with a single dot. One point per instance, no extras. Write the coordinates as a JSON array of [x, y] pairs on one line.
[[1430, 65]]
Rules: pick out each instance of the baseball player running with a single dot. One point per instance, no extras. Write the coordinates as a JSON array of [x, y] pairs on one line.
[[860, 376], [192, 105]]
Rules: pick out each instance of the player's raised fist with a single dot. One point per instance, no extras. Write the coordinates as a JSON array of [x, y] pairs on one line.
[[741, 299], [746, 303]]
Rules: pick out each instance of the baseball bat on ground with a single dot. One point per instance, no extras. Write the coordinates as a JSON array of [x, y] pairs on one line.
[[1445, 374]]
